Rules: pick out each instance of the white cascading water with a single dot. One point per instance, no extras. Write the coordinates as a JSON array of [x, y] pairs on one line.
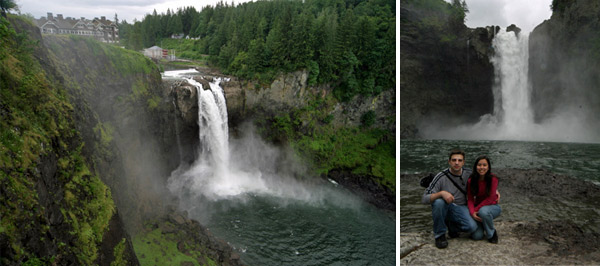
[[512, 107], [212, 175], [212, 120], [250, 166], [512, 118]]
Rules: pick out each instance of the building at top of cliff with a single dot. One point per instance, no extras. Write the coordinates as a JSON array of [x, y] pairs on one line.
[[101, 29]]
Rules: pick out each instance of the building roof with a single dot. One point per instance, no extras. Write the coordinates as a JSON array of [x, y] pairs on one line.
[[154, 48], [71, 23]]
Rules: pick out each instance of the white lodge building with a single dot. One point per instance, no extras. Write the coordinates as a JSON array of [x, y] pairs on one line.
[[101, 29]]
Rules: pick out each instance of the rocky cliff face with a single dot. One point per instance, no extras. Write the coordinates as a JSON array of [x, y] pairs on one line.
[[246, 100], [117, 96], [72, 217], [105, 172], [122, 101], [445, 72], [564, 62]]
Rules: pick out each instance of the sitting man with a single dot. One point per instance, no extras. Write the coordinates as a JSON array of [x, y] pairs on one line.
[[446, 194]]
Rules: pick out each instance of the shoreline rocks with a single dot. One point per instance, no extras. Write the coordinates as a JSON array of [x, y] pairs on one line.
[[547, 218]]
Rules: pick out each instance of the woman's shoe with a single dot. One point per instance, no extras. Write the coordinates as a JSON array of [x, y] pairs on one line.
[[494, 238]]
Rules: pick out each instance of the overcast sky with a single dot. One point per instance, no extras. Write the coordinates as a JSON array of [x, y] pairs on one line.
[[125, 9], [526, 14]]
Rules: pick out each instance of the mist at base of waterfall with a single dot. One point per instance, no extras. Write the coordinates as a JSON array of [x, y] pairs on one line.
[[255, 168], [513, 115], [567, 126]]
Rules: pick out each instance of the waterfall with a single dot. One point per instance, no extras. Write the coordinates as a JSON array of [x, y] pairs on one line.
[[213, 175], [178, 138], [512, 89], [512, 117], [212, 120]]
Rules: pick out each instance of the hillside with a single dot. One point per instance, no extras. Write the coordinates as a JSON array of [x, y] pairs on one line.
[[55, 207], [85, 154]]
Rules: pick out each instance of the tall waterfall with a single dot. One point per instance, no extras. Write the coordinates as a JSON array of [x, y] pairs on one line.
[[512, 111], [212, 120], [226, 169], [512, 117]]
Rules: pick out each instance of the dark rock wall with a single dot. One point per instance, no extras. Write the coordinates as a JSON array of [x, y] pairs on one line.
[[247, 101], [564, 61], [445, 73]]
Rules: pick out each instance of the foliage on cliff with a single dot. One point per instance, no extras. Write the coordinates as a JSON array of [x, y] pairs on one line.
[[54, 207], [348, 44], [362, 150]]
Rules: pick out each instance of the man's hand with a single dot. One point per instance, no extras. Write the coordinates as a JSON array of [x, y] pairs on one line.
[[476, 217], [447, 197]]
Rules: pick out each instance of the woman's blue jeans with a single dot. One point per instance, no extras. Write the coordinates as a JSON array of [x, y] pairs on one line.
[[487, 214], [455, 217]]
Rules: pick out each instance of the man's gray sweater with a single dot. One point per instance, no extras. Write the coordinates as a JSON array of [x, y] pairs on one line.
[[440, 182]]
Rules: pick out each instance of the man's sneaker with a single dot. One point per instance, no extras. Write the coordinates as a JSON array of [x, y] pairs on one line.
[[494, 239], [441, 242], [453, 234]]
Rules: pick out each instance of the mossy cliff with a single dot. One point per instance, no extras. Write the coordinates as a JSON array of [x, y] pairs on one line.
[[86, 147], [445, 71], [55, 208]]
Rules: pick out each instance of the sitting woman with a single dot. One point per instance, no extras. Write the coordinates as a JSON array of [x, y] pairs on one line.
[[483, 200]]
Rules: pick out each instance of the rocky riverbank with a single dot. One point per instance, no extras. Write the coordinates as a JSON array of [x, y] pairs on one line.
[[547, 218]]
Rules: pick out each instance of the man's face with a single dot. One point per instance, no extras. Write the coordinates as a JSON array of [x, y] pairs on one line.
[[456, 162]]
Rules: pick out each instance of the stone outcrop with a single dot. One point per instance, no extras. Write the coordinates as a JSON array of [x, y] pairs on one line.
[[546, 218], [246, 99], [445, 73], [520, 243]]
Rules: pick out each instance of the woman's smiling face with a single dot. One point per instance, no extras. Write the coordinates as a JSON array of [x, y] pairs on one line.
[[482, 167]]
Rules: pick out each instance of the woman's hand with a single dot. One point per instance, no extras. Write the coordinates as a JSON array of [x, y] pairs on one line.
[[476, 217]]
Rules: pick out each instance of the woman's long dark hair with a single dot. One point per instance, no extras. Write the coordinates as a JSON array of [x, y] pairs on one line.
[[475, 177]]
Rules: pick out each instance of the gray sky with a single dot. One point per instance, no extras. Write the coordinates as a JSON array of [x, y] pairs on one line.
[[125, 9], [526, 14]]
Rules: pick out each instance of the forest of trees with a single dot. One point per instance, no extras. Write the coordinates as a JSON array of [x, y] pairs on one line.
[[348, 44]]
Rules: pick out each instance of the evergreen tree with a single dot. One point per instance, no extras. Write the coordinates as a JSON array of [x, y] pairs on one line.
[[349, 44], [174, 25], [6, 5]]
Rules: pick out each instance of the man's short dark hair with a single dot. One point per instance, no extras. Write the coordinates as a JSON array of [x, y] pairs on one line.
[[456, 151]]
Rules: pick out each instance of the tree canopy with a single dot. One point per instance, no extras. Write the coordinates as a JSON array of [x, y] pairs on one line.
[[349, 44], [6, 5]]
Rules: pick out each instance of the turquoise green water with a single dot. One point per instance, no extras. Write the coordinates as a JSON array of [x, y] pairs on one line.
[[268, 230]]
